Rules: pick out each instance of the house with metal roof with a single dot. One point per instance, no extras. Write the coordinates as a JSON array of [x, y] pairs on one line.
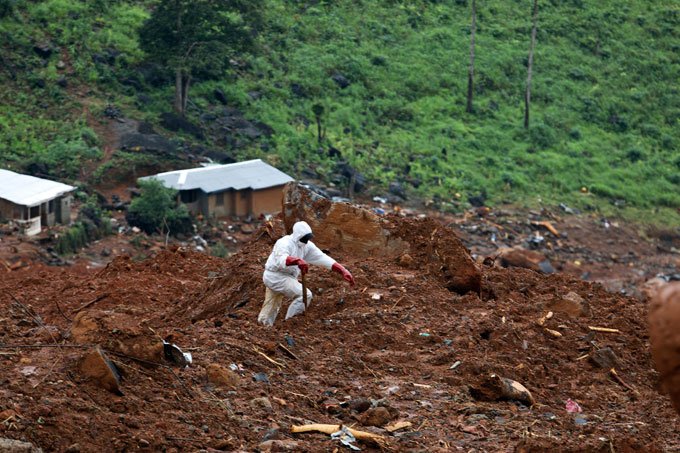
[[244, 188], [33, 202]]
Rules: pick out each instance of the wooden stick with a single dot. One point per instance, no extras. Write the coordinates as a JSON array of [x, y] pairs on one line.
[[304, 291], [288, 351], [82, 307], [548, 226], [330, 429], [618, 379], [603, 329], [279, 364], [61, 312]]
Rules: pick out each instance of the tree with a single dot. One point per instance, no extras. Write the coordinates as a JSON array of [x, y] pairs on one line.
[[198, 37], [156, 210], [527, 95], [471, 72]]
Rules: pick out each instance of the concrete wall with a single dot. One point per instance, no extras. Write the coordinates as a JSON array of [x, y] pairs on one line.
[[267, 201], [239, 203]]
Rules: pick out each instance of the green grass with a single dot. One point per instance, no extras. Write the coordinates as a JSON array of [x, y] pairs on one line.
[[604, 116]]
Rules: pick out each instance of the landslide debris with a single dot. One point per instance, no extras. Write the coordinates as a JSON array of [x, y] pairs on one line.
[[407, 346]]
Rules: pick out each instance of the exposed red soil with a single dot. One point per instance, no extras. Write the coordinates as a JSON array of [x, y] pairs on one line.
[[391, 341]]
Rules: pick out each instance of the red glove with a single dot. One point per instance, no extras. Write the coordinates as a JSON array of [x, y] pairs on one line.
[[340, 269], [299, 262]]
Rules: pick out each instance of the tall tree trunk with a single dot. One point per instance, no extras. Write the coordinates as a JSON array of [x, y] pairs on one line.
[[185, 92], [471, 72], [527, 96], [178, 92]]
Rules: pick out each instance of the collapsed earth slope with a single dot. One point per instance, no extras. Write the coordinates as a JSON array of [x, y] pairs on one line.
[[405, 354]]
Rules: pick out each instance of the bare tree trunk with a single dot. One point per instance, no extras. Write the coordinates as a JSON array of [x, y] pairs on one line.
[[178, 91], [471, 72], [185, 92], [527, 96]]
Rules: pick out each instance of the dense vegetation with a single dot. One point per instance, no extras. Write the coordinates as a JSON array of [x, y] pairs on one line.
[[387, 81]]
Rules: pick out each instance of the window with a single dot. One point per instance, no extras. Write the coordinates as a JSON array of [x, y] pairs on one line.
[[219, 199], [35, 212], [50, 206], [188, 196]]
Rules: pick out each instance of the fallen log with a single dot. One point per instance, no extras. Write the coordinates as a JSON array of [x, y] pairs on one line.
[[330, 429]]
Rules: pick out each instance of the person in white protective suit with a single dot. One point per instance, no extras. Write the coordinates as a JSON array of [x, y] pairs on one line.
[[291, 256]]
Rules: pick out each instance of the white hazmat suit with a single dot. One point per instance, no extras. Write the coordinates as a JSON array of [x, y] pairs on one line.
[[280, 276]]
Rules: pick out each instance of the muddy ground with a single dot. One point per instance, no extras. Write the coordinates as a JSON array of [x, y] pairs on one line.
[[397, 347]]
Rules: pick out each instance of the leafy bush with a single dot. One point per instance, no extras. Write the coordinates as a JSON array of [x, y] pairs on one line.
[[156, 210], [91, 226]]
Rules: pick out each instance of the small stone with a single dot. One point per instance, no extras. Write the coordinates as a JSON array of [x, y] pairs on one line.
[[222, 377], [359, 405], [17, 446], [262, 402], [271, 434], [605, 358], [279, 445], [143, 443], [75, 448], [376, 416], [572, 305], [261, 377], [405, 260]]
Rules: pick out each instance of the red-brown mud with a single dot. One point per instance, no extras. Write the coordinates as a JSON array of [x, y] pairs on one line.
[[391, 341]]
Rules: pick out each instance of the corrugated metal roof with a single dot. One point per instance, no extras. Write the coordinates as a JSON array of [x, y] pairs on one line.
[[251, 174], [27, 190]]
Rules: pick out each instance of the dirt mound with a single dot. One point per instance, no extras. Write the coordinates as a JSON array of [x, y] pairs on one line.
[[399, 340]]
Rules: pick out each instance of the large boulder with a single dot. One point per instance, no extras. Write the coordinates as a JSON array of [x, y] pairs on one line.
[[118, 332], [664, 335], [342, 227]]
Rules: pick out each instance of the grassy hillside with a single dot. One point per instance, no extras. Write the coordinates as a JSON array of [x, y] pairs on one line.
[[604, 116]]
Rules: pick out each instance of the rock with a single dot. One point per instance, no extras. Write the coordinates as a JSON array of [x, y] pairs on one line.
[[62, 81], [341, 80], [494, 388], [221, 376], [405, 260], [359, 405], [377, 416], [279, 445], [175, 123], [527, 259], [17, 446], [151, 143], [75, 448], [342, 227], [61, 64], [396, 188], [572, 305], [97, 366], [271, 434], [119, 332], [664, 335], [262, 403], [605, 358], [220, 96], [44, 50]]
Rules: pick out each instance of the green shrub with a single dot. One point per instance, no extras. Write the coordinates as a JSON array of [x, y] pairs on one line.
[[156, 210]]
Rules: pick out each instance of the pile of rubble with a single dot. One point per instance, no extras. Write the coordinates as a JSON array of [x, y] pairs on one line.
[[432, 350]]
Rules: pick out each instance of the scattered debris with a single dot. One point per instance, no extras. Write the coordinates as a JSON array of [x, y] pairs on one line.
[[330, 429], [175, 355], [572, 406], [603, 329], [346, 438], [398, 426], [494, 387]]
